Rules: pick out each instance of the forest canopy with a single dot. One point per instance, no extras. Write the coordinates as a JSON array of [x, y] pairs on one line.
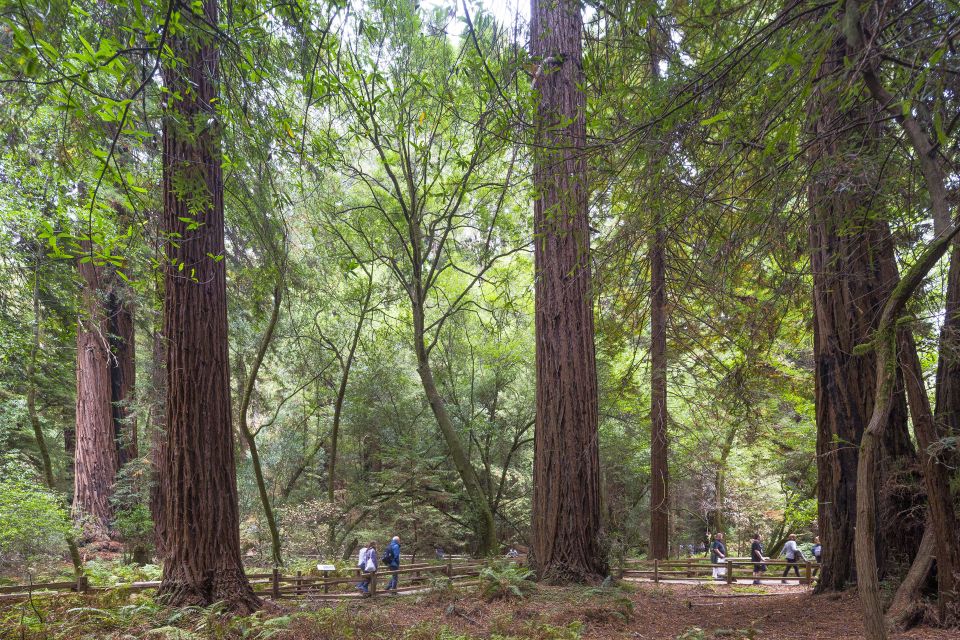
[[594, 280]]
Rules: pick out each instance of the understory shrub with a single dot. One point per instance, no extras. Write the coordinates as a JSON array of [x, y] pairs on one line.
[[504, 580]]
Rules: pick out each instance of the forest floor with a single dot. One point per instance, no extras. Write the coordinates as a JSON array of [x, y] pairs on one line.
[[648, 611], [643, 611]]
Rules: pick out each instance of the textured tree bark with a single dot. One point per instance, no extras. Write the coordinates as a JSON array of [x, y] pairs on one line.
[[935, 180], [850, 254], [904, 607], [659, 467], [200, 522], [659, 471], [568, 537], [95, 460], [936, 477]]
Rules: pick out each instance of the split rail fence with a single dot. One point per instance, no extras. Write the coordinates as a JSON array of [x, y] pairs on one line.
[[277, 585], [697, 570]]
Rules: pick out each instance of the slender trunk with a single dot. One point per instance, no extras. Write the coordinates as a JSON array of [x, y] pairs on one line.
[[482, 512], [250, 437], [568, 538], [38, 428], [202, 562], [342, 389], [96, 456], [659, 471]]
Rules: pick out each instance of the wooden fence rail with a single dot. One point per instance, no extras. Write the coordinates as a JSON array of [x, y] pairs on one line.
[[733, 568], [275, 583]]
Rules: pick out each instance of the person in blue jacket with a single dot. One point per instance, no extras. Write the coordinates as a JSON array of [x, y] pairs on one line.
[[391, 557]]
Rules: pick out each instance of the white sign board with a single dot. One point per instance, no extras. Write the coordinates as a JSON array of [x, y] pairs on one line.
[[326, 567]]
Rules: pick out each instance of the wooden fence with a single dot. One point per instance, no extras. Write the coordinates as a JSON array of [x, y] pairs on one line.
[[277, 585], [698, 570]]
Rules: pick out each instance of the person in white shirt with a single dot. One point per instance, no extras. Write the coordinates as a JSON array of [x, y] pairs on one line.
[[793, 555]]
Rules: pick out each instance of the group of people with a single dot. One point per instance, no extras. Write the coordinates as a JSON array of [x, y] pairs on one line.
[[791, 552], [368, 562]]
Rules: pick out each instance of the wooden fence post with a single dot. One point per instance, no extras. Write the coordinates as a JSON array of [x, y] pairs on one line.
[[729, 571], [275, 581], [373, 584], [83, 583], [450, 569], [807, 573], [656, 570], [299, 580], [326, 586]]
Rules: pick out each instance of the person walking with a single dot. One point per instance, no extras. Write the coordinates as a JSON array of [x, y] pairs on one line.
[[718, 551], [756, 554], [361, 563], [391, 557], [368, 566], [793, 555]]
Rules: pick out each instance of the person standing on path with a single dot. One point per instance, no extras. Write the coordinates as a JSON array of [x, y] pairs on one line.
[[756, 554], [718, 551], [391, 557], [793, 555], [368, 567]]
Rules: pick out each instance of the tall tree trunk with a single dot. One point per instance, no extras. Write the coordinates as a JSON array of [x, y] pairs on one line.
[[849, 249], [935, 180], [200, 520], [568, 538], [659, 471], [250, 437], [120, 305], [659, 468], [95, 461]]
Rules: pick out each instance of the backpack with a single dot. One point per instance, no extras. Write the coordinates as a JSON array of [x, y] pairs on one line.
[[387, 556]]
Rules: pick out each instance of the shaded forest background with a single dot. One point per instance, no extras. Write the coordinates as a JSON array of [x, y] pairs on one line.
[[772, 199]]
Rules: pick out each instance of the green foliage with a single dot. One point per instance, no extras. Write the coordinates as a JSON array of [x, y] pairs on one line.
[[33, 522], [131, 508], [505, 580]]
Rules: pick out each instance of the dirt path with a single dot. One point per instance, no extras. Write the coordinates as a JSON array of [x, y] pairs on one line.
[[659, 612]]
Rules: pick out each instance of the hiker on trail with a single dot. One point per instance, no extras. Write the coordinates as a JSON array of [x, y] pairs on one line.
[[368, 565], [718, 551], [701, 548], [438, 551], [793, 555], [756, 554], [391, 557], [817, 553]]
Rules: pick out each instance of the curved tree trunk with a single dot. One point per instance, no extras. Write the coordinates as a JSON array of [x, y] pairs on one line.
[[201, 563], [568, 536], [251, 437]]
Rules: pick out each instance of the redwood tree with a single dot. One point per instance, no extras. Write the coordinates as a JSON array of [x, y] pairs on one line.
[[199, 517], [95, 459], [568, 538], [854, 272]]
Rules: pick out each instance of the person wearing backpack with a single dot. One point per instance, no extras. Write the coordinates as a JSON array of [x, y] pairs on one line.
[[391, 557], [756, 554], [793, 555]]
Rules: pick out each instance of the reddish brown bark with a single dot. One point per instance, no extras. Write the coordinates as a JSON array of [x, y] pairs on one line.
[[199, 517], [95, 459], [851, 255], [568, 539]]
